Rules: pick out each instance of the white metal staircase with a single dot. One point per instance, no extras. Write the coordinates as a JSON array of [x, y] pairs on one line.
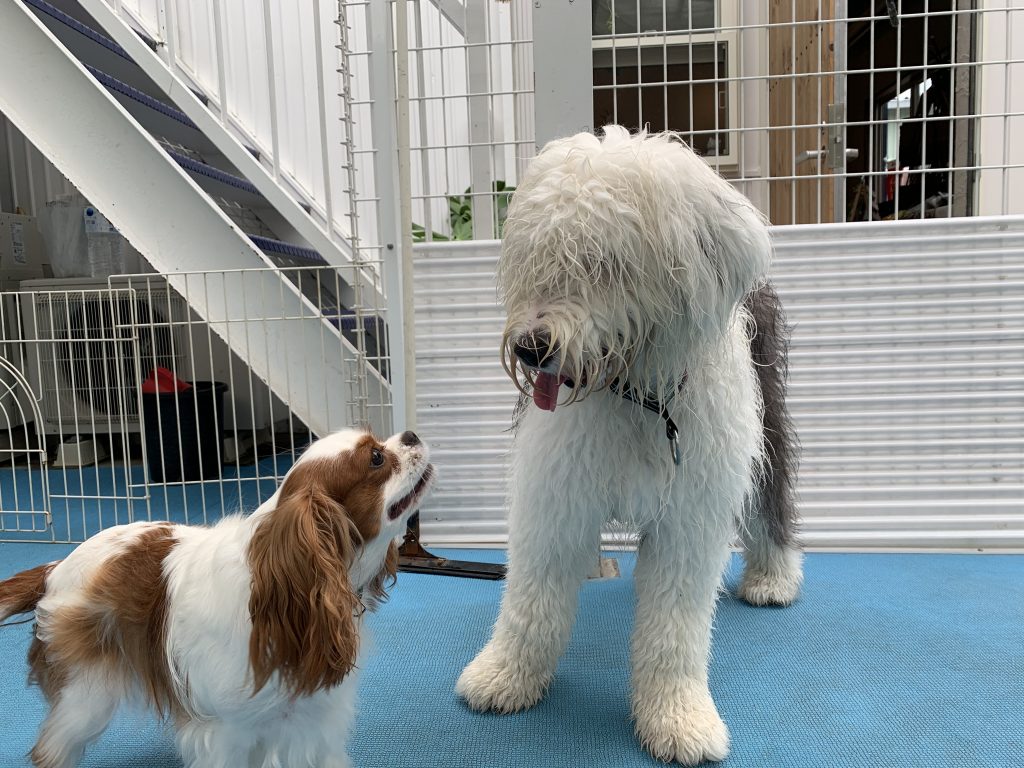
[[154, 142]]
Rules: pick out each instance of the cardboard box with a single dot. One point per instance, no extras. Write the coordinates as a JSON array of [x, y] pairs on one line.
[[22, 256]]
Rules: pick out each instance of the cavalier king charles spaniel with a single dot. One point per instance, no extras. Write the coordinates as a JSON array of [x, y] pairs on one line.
[[244, 634]]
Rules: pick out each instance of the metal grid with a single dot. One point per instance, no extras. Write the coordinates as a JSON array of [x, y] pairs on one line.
[[74, 464], [471, 111], [826, 111], [819, 110]]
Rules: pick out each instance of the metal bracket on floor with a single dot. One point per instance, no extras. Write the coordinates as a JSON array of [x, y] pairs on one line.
[[413, 558]]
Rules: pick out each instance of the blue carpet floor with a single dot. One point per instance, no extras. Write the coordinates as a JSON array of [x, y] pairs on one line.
[[887, 660]]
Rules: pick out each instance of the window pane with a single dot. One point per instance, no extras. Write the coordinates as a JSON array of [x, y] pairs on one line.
[[675, 93], [620, 16]]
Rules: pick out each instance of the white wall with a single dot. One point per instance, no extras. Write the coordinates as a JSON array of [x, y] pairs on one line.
[[27, 179], [905, 384]]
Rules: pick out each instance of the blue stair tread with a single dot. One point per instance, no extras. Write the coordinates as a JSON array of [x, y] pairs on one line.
[[287, 249], [213, 173], [75, 24], [142, 98]]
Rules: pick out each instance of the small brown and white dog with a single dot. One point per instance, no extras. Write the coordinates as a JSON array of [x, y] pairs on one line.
[[244, 634]]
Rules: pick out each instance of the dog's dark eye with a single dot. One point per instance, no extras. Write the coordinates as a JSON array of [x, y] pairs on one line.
[[377, 458]]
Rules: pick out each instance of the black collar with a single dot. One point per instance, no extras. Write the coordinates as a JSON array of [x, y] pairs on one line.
[[648, 402]]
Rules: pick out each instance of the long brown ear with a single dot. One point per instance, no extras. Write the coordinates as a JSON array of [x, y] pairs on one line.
[[302, 605], [376, 590]]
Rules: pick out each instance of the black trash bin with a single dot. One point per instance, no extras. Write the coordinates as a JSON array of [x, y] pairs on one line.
[[184, 432]]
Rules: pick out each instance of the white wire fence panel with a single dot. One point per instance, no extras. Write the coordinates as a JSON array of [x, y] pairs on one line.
[[85, 442], [907, 383], [819, 110], [830, 110], [471, 100]]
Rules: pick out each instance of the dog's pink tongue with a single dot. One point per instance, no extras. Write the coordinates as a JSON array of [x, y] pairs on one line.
[[545, 391]]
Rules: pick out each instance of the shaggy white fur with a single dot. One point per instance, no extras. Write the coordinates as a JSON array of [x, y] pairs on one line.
[[625, 261]]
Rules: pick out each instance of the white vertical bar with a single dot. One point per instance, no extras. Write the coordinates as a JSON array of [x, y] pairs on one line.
[[522, 80], [481, 200], [924, 109], [164, 16], [424, 134], [794, 182], [405, 207], [275, 139], [220, 41], [899, 121], [953, 53], [839, 66], [1008, 56], [563, 51], [321, 111], [382, 85], [872, 181]]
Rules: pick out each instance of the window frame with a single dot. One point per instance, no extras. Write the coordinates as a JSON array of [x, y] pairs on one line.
[[726, 17]]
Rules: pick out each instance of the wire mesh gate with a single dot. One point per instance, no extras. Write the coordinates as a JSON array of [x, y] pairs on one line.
[[820, 111], [91, 445]]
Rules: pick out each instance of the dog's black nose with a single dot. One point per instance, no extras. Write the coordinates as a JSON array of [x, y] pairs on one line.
[[533, 348], [409, 438]]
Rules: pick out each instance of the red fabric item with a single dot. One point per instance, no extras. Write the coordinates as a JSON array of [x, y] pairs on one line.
[[163, 380]]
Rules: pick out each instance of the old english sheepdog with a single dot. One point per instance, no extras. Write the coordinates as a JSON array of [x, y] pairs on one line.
[[640, 321]]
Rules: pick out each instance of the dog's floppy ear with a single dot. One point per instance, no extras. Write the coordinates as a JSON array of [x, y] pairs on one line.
[[377, 588], [302, 606]]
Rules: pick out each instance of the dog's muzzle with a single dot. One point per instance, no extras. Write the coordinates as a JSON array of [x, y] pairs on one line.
[[536, 352]]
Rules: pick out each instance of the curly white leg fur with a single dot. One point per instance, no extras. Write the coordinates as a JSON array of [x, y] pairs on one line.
[[514, 669], [547, 565], [499, 681], [681, 725], [676, 719]]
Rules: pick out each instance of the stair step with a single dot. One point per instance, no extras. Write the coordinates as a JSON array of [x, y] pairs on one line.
[[113, 84], [75, 24], [338, 315], [216, 174], [269, 245]]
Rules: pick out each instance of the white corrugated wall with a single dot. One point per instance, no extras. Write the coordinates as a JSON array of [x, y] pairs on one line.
[[907, 383]]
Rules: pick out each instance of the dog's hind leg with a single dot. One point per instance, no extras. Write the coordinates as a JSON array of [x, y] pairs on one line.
[[213, 743], [774, 569], [81, 710]]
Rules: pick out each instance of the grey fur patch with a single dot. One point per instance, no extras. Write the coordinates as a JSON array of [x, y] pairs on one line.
[[769, 349]]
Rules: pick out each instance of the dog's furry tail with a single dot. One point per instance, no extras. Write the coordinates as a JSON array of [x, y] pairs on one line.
[[22, 592], [776, 502]]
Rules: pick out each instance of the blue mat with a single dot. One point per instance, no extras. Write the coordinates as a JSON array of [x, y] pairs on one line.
[[887, 660]]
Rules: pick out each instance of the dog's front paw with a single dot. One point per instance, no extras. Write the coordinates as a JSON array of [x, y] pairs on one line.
[[684, 729], [495, 681]]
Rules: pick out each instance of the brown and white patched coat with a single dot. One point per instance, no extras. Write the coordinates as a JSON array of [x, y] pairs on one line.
[[244, 634]]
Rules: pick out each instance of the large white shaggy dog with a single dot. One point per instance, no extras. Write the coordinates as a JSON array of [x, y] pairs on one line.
[[633, 277]]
